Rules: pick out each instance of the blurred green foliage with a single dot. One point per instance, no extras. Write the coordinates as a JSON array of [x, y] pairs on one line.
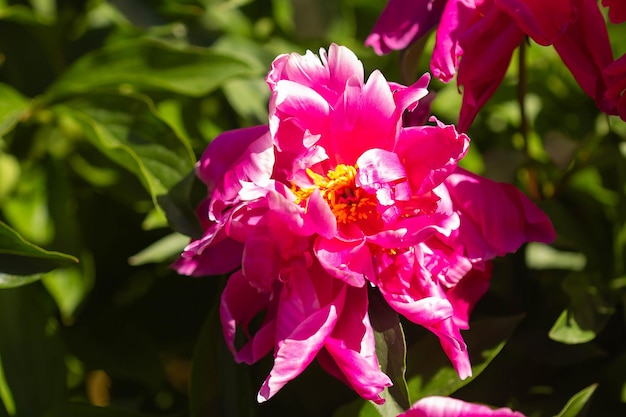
[[105, 107]]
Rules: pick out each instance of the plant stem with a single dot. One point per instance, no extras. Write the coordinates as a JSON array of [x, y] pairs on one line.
[[522, 87]]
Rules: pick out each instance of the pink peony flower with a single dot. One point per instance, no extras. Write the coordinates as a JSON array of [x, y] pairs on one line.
[[451, 407], [336, 193], [477, 38]]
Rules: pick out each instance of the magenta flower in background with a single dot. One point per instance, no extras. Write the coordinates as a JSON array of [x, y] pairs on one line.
[[617, 91], [402, 22], [451, 407], [476, 38], [617, 10], [336, 194]]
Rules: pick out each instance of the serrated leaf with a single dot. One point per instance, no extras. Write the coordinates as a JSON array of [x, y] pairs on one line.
[[22, 261], [149, 64], [129, 131], [576, 404]]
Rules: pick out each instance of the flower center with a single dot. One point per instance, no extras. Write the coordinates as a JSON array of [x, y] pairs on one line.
[[348, 202]]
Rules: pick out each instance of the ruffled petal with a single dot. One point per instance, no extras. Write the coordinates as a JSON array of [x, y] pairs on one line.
[[350, 262], [240, 303], [496, 218], [232, 157], [350, 351], [430, 154], [464, 295], [302, 326], [364, 117]]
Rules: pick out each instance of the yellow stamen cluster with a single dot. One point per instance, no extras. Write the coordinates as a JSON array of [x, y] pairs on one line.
[[347, 201]]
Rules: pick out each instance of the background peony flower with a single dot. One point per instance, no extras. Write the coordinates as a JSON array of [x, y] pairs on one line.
[[402, 22], [477, 39], [451, 407], [617, 10], [617, 91]]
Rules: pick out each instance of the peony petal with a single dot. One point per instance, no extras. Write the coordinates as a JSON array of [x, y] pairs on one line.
[[447, 51], [496, 218], [617, 10], [221, 257], [364, 117], [615, 94], [402, 22], [454, 346], [378, 168], [237, 155], [586, 50], [451, 407], [466, 294], [543, 21], [304, 109], [363, 376], [430, 154], [426, 312], [350, 351], [240, 303], [407, 98], [350, 262], [487, 49], [302, 327]]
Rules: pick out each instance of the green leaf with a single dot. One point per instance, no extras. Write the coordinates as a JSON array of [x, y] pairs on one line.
[[148, 64], [248, 97], [10, 174], [164, 249], [391, 353], [21, 260], [128, 130], [6, 396], [12, 106], [567, 330], [181, 216], [70, 285], [588, 312], [27, 207], [31, 350], [430, 370], [219, 387], [24, 14], [575, 406], [88, 410]]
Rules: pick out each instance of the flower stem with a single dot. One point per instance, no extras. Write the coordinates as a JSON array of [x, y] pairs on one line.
[[522, 87]]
